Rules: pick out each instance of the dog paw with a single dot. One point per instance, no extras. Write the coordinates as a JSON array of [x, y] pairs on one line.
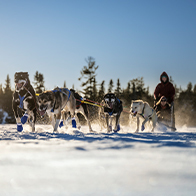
[[19, 127], [142, 128], [117, 129], [109, 129], [24, 118], [61, 124], [74, 123]]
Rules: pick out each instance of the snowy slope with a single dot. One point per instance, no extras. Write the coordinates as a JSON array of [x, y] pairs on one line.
[[81, 163]]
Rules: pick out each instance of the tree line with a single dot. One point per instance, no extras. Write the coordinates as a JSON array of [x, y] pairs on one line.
[[185, 100]]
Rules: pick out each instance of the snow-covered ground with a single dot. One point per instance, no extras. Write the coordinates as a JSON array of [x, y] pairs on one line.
[[99, 164]]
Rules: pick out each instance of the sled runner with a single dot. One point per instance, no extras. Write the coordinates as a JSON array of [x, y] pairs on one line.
[[167, 118]]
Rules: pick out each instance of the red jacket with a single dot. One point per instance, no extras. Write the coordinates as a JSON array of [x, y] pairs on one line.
[[164, 89]]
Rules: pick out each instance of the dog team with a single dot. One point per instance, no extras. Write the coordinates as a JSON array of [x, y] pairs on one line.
[[62, 106]]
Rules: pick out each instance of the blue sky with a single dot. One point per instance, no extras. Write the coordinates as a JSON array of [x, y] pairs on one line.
[[127, 38]]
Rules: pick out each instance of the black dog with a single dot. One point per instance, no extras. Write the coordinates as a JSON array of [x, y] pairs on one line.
[[24, 98], [112, 106]]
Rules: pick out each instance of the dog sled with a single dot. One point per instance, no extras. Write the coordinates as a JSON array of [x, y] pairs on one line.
[[167, 120]]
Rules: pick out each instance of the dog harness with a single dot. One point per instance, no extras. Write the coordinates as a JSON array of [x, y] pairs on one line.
[[81, 102], [25, 96], [21, 101], [60, 90], [142, 114]]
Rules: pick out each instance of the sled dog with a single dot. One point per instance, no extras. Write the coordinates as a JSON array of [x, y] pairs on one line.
[[24, 98], [143, 109], [81, 108], [112, 107], [53, 102]]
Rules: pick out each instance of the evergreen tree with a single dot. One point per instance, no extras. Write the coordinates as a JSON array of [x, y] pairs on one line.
[[118, 90], [134, 96], [7, 84], [189, 87], [111, 85], [194, 89], [7, 100], [1, 95], [88, 73], [127, 94], [138, 89], [101, 91], [64, 85], [39, 82], [94, 92], [1, 89]]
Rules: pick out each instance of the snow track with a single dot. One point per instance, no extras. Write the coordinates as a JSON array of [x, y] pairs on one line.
[[82, 163]]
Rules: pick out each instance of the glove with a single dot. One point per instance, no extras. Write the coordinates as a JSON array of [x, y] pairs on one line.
[[24, 118], [142, 128], [19, 127], [155, 104], [61, 124]]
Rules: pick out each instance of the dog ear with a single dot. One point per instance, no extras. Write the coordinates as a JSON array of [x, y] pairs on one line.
[[105, 96]]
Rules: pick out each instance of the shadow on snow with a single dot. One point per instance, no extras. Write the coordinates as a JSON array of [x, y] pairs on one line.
[[127, 140]]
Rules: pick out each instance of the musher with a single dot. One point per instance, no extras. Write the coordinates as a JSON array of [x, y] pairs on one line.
[[165, 88]]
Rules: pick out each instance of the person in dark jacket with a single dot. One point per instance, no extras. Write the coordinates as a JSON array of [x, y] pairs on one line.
[[165, 88], [163, 109]]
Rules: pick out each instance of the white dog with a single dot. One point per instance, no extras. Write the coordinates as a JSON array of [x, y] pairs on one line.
[[143, 109]]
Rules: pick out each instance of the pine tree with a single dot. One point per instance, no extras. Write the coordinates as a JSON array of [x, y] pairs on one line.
[[101, 91], [39, 82], [194, 89], [138, 89], [88, 73], [189, 87], [7, 84], [1, 95], [134, 96], [111, 86], [7, 100], [64, 85], [118, 90], [94, 92], [127, 94]]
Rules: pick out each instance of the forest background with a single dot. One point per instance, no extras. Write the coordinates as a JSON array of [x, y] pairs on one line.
[[185, 99]]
